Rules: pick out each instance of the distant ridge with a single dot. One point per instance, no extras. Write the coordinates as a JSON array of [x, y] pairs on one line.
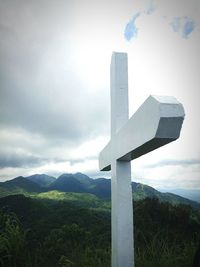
[[81, 183]]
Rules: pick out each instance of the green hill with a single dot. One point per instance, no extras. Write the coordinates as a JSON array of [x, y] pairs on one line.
[[78, 199], [81, 183], [141, 191], [19, 185]]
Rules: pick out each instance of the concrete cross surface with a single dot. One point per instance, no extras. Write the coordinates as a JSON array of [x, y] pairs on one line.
[[156, 123]]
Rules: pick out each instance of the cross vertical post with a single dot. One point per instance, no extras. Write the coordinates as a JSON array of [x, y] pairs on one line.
[[122, 210]]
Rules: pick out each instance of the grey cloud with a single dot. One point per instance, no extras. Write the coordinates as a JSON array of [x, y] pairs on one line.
[[21, 160], [39, 89], [75, 161], [183, 163], [15, 160], [22, 149]]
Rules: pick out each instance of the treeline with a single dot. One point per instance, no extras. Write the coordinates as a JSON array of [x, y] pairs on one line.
[[47, 233]]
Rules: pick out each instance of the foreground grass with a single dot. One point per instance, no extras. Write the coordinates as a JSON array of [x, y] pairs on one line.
[[72, 230], [158, 253]]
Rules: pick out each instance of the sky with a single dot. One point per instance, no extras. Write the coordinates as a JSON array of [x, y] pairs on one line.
[[54, 84]]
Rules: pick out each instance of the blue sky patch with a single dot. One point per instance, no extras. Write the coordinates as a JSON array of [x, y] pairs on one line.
[[183, 25], [131, 30]]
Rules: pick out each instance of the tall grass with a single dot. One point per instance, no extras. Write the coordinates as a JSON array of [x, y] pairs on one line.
[[159, 252], [12, 242]]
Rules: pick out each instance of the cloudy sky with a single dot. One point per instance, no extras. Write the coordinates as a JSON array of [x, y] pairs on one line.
[[54, 83]]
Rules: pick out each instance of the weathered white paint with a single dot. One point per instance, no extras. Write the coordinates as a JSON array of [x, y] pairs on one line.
[[157, 122], [121, 195]]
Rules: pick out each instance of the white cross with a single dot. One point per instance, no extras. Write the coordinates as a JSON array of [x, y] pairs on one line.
[[156, 123]]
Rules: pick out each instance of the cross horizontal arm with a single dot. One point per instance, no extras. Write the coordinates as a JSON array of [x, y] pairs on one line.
[[156, 123]]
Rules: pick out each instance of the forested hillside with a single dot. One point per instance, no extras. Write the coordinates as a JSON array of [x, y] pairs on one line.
[[74, 229]]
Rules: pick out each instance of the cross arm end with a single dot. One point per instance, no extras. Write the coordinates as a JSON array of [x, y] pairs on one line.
[[105, 158]]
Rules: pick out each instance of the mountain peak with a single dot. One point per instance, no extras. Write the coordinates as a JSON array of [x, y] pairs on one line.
[[67, 183], [65, 175], [21, 183], [41, 179]]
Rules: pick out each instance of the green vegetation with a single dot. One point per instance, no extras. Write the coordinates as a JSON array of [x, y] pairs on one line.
[[166, 235], [57, 233], [57, 229], [80, 199]]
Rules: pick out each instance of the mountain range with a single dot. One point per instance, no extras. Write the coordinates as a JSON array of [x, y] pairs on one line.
[[80, 183]]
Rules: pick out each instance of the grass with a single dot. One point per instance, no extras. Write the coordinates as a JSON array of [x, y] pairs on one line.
[[161, 253]]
